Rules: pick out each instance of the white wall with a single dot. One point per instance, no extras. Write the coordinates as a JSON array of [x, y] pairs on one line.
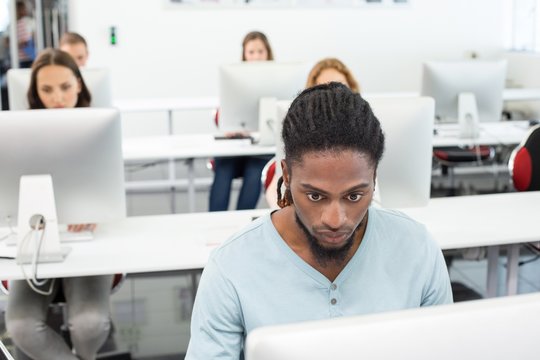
[[164, 51]]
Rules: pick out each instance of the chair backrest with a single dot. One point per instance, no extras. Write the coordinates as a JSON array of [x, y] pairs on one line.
[[524, 164], [4, 287], [268, 172]]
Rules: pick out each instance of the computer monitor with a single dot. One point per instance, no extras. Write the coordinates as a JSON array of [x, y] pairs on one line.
[[80, 149], [98, 81], [242, 85], [445, 81], [495, 329], [404, 173]]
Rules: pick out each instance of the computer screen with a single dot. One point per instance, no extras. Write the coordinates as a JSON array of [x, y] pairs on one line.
[[495, 329], [242, 85], [80, 148], [97, 80], [404, 173], [444, 81]]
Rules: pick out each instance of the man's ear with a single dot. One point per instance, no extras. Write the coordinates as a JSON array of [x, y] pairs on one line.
[[286, 173]]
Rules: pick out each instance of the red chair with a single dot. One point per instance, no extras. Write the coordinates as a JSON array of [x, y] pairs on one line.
[[524, 164], [268, 175]]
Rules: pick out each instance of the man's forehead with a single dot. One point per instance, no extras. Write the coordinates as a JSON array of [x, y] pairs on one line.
[[313, 157]]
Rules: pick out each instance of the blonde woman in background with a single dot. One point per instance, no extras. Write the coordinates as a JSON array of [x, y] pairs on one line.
[[332, 69], [325, 71]]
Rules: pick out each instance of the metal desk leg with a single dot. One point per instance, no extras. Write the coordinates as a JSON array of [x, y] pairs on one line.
[[512, 269], [492, 272], [172, 179], [191, 185], [170, 129]]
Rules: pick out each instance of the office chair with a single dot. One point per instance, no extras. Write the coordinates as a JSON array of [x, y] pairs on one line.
[[269, 185], [56, 320], [524, 164], [452, 156]]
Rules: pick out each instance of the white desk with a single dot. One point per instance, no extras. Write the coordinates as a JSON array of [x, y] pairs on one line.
[[485, 220], [190, 147], [491, 133], [187, 147], [521, 94], [184, 241], [167, 104]]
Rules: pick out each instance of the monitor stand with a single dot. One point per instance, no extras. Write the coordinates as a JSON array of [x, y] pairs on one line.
[[38, 237], [468, 116], [267, 121]]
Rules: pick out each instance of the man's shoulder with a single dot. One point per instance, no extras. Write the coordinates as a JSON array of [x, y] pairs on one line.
[[245, 238], [399, 230], [396, 219]]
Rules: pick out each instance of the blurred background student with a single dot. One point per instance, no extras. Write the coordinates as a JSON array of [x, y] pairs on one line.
[[56, 82], [255, 47], [332, 69], [75, 45]]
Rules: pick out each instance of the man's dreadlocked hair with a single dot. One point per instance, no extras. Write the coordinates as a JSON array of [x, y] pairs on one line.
[[329, 117]]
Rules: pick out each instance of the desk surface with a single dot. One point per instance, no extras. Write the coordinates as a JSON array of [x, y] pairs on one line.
[[212, 102], [204, 145], [184, 241], [491, 133], [189, 146], [167, 104]]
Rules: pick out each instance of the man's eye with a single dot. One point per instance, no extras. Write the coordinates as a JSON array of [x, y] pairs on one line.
[[354, 197], [314, 196]]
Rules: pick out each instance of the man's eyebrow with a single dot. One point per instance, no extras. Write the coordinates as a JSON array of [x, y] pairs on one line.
[[357, 187]]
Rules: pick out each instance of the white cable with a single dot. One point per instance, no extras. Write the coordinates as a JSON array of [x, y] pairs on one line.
[[36, 253], [33, 282]]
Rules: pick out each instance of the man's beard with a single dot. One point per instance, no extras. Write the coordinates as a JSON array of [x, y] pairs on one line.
[[325, 255]]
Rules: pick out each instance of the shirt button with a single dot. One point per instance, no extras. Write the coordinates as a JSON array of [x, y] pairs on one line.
[[333, 301], [333, 287]]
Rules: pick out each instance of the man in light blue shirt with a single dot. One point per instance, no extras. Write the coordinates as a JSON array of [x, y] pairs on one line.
[[327, 252]]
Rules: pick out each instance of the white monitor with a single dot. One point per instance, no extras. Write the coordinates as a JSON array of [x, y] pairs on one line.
[[79, 148], [495, 329], [445, 81], [404, 173], [242, 85], [98, 81]]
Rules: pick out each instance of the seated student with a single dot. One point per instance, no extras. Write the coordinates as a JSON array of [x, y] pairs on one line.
[[326, 253], [56, 82], [76, 46], [323, 72], [255, 47], [332, 69]]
